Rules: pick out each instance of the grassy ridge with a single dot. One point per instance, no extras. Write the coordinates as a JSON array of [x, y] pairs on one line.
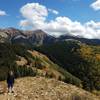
[[31, 63]]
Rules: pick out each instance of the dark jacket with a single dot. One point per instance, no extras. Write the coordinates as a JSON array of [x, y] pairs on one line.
[[10, 79]]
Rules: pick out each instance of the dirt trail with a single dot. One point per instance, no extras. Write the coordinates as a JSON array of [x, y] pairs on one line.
[[39, 88]]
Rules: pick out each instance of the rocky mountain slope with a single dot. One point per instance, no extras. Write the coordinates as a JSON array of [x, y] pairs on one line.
[[39, 88], [17, 36], [81, 39], [38, 37]]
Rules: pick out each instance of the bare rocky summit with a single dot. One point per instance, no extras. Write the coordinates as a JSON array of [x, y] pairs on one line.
[[39, 88]]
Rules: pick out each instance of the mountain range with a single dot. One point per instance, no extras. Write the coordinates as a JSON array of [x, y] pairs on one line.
[[39, 37], [73, 60]]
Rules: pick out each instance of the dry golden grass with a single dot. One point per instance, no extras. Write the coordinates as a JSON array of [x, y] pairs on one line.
[[39, 88]]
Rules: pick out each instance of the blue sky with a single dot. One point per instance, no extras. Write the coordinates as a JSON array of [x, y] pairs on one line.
[[76, 10]]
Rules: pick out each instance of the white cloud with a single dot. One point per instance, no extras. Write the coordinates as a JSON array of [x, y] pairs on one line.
[[96, 5], [2, 13], [35, 16], [53, 11], [25, 23], [34, 11]]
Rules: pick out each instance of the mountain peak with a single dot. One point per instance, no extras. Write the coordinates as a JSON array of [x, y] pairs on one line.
[[35, 32]]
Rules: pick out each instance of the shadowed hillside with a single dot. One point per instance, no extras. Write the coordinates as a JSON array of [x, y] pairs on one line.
[[79, 59], [28, 62]]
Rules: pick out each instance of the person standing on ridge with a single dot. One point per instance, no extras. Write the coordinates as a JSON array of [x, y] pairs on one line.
[[10, 81]]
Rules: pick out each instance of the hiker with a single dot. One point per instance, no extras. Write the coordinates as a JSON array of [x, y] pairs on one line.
[[10, 81]]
